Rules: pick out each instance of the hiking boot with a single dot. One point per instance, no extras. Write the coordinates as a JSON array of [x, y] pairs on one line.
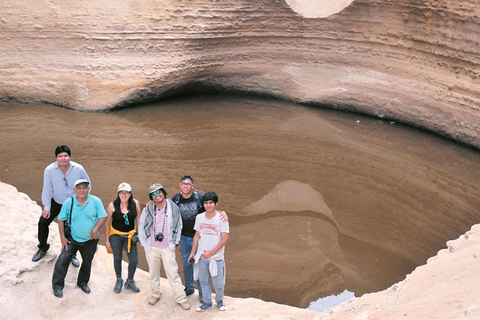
[[153, 300], [130, 284], [204, 307], [118, 285], [39, 255]]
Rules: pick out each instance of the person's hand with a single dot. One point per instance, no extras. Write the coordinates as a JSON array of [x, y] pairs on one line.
[[223, 216], [46, 214], [65, 243], [148, 203], [94, 234], [109, 247], [207, 254]]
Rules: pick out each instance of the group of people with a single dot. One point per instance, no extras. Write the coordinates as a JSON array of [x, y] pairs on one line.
[[189, 219]]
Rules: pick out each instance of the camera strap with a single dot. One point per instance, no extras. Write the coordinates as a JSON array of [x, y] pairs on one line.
[[164, 218]]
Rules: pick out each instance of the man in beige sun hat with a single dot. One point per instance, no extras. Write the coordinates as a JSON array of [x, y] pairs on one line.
[[159, 231]]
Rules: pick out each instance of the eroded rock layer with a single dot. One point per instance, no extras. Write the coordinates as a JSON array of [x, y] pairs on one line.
[[412, 61]]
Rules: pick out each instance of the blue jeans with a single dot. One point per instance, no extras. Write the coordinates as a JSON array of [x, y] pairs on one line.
[[186, 244], [218, 281]]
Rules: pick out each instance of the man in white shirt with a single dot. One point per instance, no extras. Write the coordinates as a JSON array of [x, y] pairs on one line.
[[211, 236]]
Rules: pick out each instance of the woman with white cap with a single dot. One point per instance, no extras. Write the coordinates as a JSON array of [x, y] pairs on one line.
[[121, 226]]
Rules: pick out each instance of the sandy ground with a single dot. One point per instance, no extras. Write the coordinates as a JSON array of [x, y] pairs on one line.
[[27, 292], [444, 288]]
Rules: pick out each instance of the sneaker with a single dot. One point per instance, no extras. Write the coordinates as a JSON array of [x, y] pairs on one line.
[[189, 291], [221, 306], [204, 307], [185, 305], [130, 284], [75, 262], [153, 300], [118, 285], [39, 255]]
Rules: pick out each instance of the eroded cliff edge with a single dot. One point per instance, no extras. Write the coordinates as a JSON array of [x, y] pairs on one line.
[[416, 62]]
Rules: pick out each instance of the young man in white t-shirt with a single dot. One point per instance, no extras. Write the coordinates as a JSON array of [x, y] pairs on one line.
[[211, 235]]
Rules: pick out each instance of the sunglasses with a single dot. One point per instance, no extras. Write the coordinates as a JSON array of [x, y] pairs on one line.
[[153, 194], [125, 216]]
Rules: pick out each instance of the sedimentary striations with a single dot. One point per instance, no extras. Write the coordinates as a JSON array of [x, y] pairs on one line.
[[413, 61]]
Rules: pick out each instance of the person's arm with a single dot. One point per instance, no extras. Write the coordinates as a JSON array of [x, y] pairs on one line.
[[223, 216], [138, 213], [101, 215], [196, 237], [62, 217], [108, 222], [97, 227], [141, 227], [84, 175], [46, 194], [220, 245], [63, 239]]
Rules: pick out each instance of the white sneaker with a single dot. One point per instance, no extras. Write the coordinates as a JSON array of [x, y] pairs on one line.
[[221, 306], [203, 307]]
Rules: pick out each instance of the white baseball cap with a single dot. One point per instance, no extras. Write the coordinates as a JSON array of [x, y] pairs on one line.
[[80, 181], [124, 187]]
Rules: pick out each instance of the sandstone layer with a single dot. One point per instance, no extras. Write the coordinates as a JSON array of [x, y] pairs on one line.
[[416, 62]]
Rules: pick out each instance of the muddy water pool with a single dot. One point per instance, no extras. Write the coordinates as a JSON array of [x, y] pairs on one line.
[[319, 201]]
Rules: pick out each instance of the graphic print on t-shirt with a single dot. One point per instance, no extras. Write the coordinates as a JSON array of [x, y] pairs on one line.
[[188, 210], [208, 229]]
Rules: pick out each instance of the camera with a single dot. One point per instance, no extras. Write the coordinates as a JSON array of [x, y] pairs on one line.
[[191, 261], [159, 237]]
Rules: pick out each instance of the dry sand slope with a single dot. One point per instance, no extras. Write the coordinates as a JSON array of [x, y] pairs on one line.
[[445, 288]]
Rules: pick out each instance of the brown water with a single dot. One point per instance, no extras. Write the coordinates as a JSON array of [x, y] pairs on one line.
[[319, 201]]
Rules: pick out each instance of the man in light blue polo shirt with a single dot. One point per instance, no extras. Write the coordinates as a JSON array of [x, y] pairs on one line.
[[87, 217], [58, 180]]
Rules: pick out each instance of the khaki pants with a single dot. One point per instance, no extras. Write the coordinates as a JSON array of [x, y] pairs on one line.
[[155, 257]]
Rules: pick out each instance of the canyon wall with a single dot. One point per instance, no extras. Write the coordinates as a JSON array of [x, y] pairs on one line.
[[413, 61]]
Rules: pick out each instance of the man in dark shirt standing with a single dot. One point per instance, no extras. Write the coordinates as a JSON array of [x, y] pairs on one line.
[[189, 203]]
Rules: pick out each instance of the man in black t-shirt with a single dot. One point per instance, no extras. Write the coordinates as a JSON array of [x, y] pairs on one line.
[[189, 203]]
